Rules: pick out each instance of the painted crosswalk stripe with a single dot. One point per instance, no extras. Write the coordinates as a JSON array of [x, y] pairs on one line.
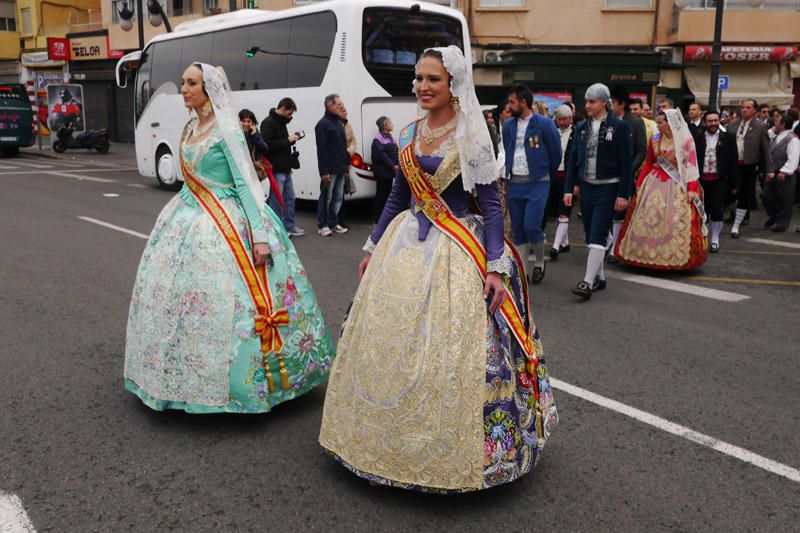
[[8, 167], [686, 288], [115, 227], [79, 176], [775, 243], [681, 431], [28, 164], [13, 518]]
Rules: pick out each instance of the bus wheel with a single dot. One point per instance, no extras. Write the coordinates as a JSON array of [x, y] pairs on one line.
[[166, 172], [12, 151]]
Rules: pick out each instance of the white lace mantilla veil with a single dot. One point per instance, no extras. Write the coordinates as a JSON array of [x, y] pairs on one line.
[[685, 150], [219, 92], [476, 155]]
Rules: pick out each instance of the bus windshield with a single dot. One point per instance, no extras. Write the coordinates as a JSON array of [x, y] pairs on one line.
[[394, 39]]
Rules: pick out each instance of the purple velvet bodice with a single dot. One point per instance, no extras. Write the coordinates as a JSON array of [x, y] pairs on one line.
[[456, 197]]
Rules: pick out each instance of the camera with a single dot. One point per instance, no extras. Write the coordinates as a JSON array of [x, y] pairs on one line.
[[300, 134]]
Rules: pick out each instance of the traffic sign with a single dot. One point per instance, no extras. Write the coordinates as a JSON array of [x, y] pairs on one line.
[[723, 83]]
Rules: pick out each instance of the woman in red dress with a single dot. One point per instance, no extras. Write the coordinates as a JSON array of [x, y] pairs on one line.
[[665, 227]]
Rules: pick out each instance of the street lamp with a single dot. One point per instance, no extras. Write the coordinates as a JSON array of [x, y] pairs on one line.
[[156, 16], [716, 49]]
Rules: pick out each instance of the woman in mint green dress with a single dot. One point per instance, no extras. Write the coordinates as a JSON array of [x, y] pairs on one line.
[[206, 333]]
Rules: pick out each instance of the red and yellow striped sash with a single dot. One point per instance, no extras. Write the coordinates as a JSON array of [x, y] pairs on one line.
[[269, 319], [438, 212]]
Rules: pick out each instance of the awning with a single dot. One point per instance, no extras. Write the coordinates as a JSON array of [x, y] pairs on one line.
[[767, 83]]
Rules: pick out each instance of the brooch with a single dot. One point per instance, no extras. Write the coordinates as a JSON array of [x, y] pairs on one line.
[[610, 134]]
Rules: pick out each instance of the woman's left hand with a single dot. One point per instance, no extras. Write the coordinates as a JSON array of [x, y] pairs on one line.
[[260, 253], [494, 285], [692, 196]]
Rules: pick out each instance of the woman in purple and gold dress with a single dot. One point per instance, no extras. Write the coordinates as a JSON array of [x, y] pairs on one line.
[[440, 384]]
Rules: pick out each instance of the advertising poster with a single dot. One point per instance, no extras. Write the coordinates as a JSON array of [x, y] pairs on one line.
[[553, 100], [65, 105]]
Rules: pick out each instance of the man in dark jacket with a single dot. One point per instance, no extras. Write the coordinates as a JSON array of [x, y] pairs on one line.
[[752, 142], [600, 161], [717, 160], [620, 102], [276, 135], [334, 163]]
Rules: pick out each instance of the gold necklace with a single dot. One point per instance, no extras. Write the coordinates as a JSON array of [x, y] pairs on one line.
[[197, 132], [429, 135]]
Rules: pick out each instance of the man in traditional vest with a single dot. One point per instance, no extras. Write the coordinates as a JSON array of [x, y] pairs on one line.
[[600, 163], [780, 181], [752, 143]]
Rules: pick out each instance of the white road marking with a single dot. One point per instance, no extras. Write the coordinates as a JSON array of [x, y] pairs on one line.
[[8, 167], [775, 243], [708, 441], [687, 288], [28, 164], [117, 228], [111, 195], [78, 176], [40, 172], [137, 185], [13, 518]]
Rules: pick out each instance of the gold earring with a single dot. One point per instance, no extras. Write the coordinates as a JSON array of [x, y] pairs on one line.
[[454, 101], [207, 108]]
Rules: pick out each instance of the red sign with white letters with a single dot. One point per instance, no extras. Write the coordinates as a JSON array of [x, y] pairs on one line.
[[743, 53], [58, 49]]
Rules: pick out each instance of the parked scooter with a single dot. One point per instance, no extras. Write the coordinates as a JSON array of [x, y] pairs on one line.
[[93, 139]]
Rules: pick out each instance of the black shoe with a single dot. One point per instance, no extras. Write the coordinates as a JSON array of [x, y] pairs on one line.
[[583, 290], [770, 222], [538, 274], [734, 235], [778, 229], [612, 260], [714, 247], [564, 249], [598, 285], [553, 254]]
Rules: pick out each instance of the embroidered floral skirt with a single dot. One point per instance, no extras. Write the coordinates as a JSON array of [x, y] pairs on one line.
[[429, 392], [662, 229], [191, 341]]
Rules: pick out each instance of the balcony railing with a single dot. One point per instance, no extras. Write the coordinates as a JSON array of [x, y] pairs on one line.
[[767, 5]]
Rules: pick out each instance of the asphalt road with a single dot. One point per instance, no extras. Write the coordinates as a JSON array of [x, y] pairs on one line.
[[84, 455]]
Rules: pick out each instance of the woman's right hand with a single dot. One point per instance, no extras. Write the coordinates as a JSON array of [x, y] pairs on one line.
[[568, 200], [362, 266]]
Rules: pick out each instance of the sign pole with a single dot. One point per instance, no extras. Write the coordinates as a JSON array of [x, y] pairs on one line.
[[716, 52]]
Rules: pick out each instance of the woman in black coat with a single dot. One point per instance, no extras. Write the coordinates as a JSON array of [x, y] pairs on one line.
[[385, 164]]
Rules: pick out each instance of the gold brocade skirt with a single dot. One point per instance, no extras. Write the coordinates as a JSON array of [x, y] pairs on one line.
[[662, 230], [405, 396]]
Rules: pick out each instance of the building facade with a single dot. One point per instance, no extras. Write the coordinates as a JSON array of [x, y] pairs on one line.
[[653, 47]]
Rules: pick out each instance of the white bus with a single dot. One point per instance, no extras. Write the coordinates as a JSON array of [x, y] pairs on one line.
[[363, 50]]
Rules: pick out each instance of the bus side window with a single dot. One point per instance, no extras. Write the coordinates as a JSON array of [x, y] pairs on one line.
[[267, 68], [310, 49], [166, 65], [229, 51], [198, 50]]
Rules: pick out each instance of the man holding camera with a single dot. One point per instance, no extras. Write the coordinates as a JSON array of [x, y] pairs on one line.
[[276, 134]]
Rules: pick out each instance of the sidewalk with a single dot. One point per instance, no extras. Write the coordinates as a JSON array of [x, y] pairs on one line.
[[120, 154]]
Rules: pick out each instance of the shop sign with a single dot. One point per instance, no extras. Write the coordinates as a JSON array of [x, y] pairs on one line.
[[38, 59], [115, 54], [772, 54], [89, 48], [58, 49]]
